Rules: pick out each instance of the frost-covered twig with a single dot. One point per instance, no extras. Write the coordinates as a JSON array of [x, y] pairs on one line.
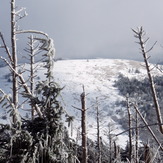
[[14, 113], [48, 46], [23, 83]]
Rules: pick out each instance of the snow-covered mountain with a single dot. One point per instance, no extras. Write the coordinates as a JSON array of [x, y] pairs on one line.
[[98, 77]]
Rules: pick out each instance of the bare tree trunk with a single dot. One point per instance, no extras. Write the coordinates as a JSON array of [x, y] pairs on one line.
[[32, 61], [84, 130], [136, 139], [111, 141], [129, 131], [14, 54], [110, 148], [98, 133], [140, 34]]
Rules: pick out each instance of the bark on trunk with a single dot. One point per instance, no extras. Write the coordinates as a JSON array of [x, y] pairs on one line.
[[32, 61], [98, 133], [84, 130], [137, 139], [14, 55], [129, 131]]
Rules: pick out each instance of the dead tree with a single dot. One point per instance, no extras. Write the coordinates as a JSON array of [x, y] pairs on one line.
[[98, 133], [136, 139], [84, 128], [83, 110], [111, 141], [12, 60], [129, 131], [139, 34], [14, 55], [15, 17]]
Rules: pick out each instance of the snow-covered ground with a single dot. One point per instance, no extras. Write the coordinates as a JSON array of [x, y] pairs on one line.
[[98, 77]]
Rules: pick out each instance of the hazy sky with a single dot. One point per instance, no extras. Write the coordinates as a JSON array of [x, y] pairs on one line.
[[92, 28]]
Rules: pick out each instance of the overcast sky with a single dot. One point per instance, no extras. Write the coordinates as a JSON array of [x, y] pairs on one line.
[[92, 28]]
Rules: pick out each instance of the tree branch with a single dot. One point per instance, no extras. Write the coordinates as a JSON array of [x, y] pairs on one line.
[[32, 31], [6, 48], [23, 83]]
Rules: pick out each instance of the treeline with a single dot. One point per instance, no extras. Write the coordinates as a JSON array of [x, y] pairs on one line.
[[139, 89]]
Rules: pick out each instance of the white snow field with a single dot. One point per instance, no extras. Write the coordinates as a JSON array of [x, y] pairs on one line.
[[98, 77]]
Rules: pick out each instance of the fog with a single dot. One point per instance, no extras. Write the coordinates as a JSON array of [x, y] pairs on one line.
[[91, 28]]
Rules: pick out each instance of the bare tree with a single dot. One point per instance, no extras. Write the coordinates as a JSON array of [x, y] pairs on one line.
[[83, 110], [136, 138], [14, 52], [130, 130], [112, 139], [84, 129], [98, 132], [12, 60], [139, 34]]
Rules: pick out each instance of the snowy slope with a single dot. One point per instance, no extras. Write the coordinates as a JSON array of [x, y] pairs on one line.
[[97, 76]]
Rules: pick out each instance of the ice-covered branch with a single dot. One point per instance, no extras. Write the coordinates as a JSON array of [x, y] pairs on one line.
[[32, 31], [23, 83], [5, 46]]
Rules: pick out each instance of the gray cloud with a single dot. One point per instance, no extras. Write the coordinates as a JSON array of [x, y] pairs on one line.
[[92, 28]]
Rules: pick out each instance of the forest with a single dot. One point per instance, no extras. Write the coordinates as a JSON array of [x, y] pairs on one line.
[[43, 137]]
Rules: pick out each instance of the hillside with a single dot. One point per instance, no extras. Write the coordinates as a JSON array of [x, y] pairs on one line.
[[98, 76]]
